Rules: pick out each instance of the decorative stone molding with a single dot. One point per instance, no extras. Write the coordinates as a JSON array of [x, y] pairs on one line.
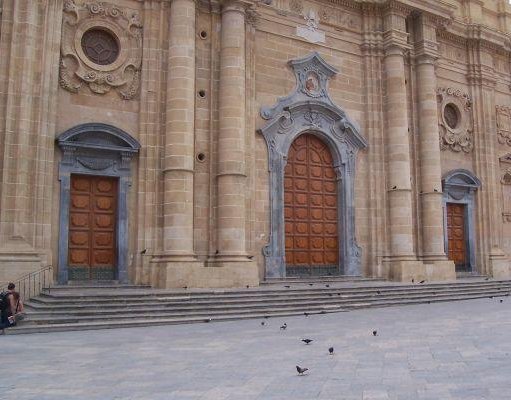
[[121, 27], [309, 109], [504, 124], [95, 149], [455, 120], [460, 186], [505, 180]]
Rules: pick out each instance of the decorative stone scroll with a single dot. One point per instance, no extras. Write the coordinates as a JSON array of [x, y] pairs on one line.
[[309, 109], [455, 120], [504, 124], [101, 47]]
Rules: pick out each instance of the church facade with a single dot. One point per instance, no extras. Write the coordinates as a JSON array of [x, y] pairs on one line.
[[205, 143]]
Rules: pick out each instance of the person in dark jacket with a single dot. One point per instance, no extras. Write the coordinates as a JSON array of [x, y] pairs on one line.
[[7, 318]]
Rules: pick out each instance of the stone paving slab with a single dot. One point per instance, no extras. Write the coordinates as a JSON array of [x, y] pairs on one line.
[[448, 351]]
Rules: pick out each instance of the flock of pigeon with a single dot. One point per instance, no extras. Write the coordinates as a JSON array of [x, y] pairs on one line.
[[308, 341]]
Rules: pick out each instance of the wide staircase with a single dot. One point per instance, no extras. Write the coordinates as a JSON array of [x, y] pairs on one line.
[[67, 308]]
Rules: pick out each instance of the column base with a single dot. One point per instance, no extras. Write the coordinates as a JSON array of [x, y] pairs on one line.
[[500, 265], [406, 270], [197, 274], [17, 258]]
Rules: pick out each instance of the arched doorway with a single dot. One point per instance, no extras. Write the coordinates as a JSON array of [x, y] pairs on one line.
[[310, 209]]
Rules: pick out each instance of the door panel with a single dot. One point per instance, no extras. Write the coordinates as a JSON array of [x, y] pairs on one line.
[[310, 208], [456, 235], [92, 228]]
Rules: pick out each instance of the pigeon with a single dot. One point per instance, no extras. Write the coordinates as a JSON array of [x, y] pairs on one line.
[[327, 285], [378, 292], [306, 314], [301, 370], [283, 327], [185, 287], [307, 341], [330, 294], [287, 286], [311, 284], [413, 281], [331, 351], [263, 323], [250, 257], [394, 187], [207, 320], [422, 281], [266, 317], [248, 286], [143, 251], [486, 279], [501, 300], [491, 297], [216, 252], [435, 190], [375, 333]]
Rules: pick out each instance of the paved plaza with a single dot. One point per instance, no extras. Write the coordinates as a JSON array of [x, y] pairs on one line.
[[438, 351]]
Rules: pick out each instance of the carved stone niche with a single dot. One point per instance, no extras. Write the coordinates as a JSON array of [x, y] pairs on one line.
[[504, 124], [455, 120], [101, 47]]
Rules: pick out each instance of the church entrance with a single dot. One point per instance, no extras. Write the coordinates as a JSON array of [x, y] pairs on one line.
[[310, 209], [92, 228], [456, 240]]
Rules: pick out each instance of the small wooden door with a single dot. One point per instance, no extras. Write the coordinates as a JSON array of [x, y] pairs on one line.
[[310, 208], [92, 228], [456, 235]]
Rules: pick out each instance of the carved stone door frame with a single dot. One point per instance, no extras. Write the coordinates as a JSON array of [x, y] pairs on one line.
[[309, 109], [100, 150], [459, 186]]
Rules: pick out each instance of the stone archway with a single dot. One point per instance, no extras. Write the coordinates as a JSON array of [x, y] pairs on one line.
[[95, 172], [309, 109], [459, 187]]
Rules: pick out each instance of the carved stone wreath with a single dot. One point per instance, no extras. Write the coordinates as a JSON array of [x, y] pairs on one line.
[[122, 30], [455, 120]]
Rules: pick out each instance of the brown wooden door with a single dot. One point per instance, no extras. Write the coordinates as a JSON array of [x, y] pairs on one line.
[[92, 228], [456, 234], [310, 208]]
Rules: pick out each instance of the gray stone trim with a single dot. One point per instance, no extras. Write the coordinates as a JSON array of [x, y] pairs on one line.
[[103, 150], [309, 109], [459, 186]]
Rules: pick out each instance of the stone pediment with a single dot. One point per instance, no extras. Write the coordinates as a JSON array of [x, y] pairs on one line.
[[100, 137]]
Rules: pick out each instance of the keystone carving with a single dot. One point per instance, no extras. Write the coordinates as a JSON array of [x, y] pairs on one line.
[[101, 48], [455, 120]]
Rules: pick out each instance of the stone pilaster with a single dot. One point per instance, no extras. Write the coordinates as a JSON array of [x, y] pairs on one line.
[[152, 94], [429, 149], [231, 167], [430, 193], [490, 257], [177, 259], [179, 133], [402, 262], [29, 45]]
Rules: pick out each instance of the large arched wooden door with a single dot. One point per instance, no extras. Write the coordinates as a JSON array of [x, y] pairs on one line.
[[310, 209]]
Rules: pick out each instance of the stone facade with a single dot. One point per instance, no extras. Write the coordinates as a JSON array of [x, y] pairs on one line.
[[193, 105]]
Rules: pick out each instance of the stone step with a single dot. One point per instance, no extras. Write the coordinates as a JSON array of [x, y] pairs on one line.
[[99, 307], [219, 310], [137, 322], [34, 307], [155, 299]]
